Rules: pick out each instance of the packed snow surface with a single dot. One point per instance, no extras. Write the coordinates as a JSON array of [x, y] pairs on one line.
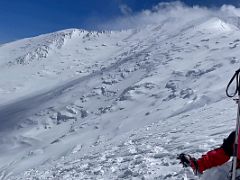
[[116, 104]]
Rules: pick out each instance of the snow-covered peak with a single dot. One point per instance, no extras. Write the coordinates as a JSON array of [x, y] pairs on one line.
[[37, 48], [27, 50], [215, 25]]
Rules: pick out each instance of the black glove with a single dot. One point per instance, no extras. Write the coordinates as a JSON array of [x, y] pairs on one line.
[[185, 159], [188, 161]]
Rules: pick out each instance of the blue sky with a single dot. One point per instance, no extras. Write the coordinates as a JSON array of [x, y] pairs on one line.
[[26, 18]]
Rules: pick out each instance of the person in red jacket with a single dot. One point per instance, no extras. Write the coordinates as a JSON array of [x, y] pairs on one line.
[[212, 158]]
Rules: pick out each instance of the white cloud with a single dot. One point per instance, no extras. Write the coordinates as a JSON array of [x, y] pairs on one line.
[[125, 9], [230, 10], [176, 12]]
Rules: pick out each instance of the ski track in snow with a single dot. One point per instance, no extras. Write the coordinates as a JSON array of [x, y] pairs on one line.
[[156, 92]]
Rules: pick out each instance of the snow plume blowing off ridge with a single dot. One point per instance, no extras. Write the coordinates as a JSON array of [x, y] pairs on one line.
[[176, 12]]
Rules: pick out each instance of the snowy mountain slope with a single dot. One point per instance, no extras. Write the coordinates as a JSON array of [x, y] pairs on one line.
[[148, 153], [142, 97], [54, 58]]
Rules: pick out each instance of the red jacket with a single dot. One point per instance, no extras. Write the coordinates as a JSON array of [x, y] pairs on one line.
[[218, 156]]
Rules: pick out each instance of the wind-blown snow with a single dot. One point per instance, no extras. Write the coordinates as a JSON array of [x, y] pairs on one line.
[[117, 104]]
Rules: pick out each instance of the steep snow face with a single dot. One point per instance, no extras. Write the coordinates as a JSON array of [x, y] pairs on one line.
[[39, 63], [116, 105], [27, 50]]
